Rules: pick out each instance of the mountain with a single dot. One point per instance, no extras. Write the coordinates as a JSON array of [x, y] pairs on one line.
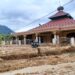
[[5, 30]]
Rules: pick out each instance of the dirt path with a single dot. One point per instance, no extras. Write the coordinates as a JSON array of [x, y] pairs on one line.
[[60, 69]]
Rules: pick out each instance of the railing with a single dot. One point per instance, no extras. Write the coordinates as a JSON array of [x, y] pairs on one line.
[[64, 41]]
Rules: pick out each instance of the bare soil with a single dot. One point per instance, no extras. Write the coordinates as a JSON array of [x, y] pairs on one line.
[[17, 57]]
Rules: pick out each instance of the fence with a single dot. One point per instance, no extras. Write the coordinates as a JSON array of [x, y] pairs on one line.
[[65, 40]]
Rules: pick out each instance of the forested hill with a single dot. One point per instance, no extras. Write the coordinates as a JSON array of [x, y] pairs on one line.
[[5, 30]]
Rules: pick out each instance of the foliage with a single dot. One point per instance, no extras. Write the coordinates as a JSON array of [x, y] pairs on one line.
[[5, 37], [1, 38], [8, 37]]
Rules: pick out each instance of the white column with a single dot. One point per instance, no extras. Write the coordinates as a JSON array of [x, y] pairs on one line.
[[3, 42], [10, 42], [55, 40], [58, 41], [39, 40], [24, 40], [36, 39], [19, 42], [72, 41]]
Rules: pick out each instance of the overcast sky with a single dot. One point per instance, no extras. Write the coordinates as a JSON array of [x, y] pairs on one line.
[[16, 14]]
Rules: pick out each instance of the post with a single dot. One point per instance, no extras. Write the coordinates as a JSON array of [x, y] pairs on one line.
[[55, 40], [58, 39], [19, 42], [39, 51], [3, 42], [72, 41], [39, 40], [24, 40], [36, 39], [10, 42]]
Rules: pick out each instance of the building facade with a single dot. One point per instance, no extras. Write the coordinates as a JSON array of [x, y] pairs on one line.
[[59, 30]]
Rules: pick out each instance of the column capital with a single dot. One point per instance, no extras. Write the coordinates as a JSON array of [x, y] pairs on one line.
[[24, 36], [56, 32], [36, 34]]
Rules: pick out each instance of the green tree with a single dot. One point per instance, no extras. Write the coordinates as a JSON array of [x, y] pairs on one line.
[[8, 37], [1, 38], [5, 38]]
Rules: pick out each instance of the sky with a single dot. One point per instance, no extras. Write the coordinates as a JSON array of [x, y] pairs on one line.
[[18, 14]]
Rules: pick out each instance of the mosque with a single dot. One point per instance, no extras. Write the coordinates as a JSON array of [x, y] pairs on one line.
[[59, 30]]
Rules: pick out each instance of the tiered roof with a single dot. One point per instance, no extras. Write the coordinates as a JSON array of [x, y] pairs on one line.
[[59, 22]]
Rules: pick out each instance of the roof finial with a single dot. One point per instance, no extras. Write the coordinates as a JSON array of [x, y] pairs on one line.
[[60, 8], [59, 2]]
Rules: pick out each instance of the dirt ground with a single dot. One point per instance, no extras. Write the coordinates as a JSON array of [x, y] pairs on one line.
[[18, 57], [59, 69]]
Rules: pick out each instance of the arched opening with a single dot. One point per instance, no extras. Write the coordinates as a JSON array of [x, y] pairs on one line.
[[69, 36]]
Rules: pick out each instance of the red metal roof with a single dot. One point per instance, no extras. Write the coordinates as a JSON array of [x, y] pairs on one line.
[[62, 24], [59, 13], [55, 25]]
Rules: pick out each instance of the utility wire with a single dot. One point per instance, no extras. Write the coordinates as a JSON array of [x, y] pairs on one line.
[[47, 14], [68, 2], [39, 18]]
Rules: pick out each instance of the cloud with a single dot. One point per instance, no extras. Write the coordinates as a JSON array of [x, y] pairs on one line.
[[16, 14]]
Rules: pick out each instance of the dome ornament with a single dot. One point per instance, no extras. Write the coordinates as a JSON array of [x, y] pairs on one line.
[[60, 8]]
